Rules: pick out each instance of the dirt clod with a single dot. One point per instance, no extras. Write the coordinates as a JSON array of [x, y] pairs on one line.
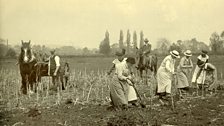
[[33, 112]]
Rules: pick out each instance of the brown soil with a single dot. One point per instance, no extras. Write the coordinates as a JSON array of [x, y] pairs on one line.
[[191, 111]]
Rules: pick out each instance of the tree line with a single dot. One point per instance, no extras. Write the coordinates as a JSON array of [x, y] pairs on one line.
[[9, 51], [163, 46], [128, 41]]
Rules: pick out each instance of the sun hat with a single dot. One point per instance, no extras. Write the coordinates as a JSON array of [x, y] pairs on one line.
[[175, 53], [188, 53]]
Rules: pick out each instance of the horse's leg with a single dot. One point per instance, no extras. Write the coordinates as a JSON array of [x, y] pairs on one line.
[[141, 71], [39, 78], [154, 65], [155, 69], [38, 74], [66, 80], [146, 76], [53, 80], [138, 71], [150, 62], [24, 83], [31, 82]]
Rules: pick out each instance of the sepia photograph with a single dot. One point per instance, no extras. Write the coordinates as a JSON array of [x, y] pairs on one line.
[[111, 63]]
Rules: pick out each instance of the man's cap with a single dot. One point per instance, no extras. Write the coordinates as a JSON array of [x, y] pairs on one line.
[[146, 40], [52, 50]]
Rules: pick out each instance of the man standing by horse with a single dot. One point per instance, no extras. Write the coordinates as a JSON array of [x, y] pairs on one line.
[[54, 67]]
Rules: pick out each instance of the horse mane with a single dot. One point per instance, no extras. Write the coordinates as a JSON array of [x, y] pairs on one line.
[[20, 58]]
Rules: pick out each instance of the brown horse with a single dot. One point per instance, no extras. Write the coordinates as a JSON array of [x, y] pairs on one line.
[[32, 70], [41, 69], [26, 64], [145, 63]]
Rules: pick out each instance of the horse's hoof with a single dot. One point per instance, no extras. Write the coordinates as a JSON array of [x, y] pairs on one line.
[[24, 91]]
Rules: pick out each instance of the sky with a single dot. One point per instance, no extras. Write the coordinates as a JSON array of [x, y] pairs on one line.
[[83, 23]]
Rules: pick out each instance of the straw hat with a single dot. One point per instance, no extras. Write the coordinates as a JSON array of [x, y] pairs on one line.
[[175, 53], [188, 53]]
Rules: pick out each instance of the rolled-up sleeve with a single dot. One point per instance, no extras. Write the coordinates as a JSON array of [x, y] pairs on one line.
[[57, 61], [182, 63], [191, 63], [168, 66]]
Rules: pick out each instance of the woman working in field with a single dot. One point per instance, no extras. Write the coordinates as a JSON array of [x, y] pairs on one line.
[[119, 88], [165, 75], [207, 76], [120, 58], [132, 96], [183, 73], [201, 58]]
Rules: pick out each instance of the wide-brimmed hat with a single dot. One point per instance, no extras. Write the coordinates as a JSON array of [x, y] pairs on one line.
[[120, 52], [146, 40], [188, 53], [175, 53]]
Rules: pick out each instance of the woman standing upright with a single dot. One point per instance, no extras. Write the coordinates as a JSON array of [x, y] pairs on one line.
[[183, 72], [165, 75]]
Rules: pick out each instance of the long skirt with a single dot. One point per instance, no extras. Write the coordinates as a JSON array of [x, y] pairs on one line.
[[194, 77], [132, 96], [211, 80], [164, 80], [182, 80], [119, 92], [201, 78], [207, 79]]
